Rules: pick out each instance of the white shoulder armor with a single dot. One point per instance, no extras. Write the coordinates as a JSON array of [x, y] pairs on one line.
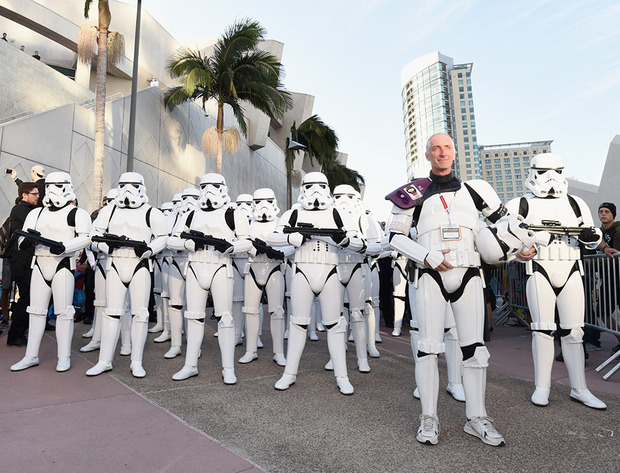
[[492, 203]]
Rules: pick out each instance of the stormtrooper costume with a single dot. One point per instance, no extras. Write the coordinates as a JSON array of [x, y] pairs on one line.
[[211, 270], [264, 273], [555, 276], [99, 302], [53, 268], [240, 262], [315, 274], [128, 270], [374, 235], [352, 270], [445, 212], [175, 274]]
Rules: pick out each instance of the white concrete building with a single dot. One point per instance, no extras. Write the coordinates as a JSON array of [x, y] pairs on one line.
[[47, 112]]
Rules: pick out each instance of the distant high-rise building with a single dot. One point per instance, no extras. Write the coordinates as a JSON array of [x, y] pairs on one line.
[[437, 98], [506, 166]]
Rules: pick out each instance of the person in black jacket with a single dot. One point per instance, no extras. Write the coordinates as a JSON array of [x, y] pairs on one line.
[[37, 174], [20, 264]]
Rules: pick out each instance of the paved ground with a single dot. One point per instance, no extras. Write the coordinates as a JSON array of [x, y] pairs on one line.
[[58, 422]]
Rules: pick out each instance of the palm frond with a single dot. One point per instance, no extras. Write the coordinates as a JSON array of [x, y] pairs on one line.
[[87, 43], [116, 48]]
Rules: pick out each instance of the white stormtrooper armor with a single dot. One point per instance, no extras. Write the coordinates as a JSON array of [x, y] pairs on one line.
[[374, 234], [128, 269], [351, 271], [555, 276], [175, 267], [264, 273], [210, 269], [53, 268], [99, 303], [243, 205], [445, 213], [316, 259]]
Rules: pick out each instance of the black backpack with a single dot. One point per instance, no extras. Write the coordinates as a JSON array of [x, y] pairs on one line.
[[5, 239]]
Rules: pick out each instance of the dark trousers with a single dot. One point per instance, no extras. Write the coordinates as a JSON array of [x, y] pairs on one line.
[[21, 272]]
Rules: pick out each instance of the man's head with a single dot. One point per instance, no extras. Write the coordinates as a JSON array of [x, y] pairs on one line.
[[440, 153], [37, 172], [3, 35], [607, 213], [28, 192], [22, 47]]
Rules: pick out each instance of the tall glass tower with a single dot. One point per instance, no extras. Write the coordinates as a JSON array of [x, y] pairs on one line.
[[437, 98]]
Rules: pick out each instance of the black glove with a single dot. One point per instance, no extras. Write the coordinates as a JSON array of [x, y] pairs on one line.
[[338, 236], [588, 235], [140, 250], [57, 249]]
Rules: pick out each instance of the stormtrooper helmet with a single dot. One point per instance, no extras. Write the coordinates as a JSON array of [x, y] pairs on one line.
[[213, 191], [131, 191], [176, 201], [244, 202], [167, 208], [347, 199], [189, 200], [58, 190], [110, 196], [265, 208], [545, 178], [315, 194]]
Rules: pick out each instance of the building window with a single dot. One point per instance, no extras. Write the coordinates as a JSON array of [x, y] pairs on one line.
[[463, 110], [461, 89], [506, 160]]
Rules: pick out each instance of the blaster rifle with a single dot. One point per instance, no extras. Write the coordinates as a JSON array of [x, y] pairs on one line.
[[56, 247], [308, 230], [263, 247], [203, 240], [555, 228], [117, 241]]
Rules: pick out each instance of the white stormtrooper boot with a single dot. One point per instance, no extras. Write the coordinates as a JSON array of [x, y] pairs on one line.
[[252, 321], [64, 335], [574, 359], [139, 332], [175, 316], [296, 344], [337, 350], [195, 334], [427, 379], [312, 327], [36, 329], [165, 334], [474, 383], [360, 335], [399, 312], [95, 342], [159, 323], [454, 360], [542, 353], [110, 329], [371, 324], [126, 323], [226, 340], [277, 325], [414, 338]]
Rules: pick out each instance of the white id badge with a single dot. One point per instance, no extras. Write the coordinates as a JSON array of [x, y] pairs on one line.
[[450, 232]]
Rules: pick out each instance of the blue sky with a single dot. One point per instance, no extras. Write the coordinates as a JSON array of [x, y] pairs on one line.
[[543, 70]]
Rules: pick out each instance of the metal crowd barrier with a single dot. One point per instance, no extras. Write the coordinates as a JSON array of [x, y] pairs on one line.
[[508, 283], [602, 289], [602, 286]]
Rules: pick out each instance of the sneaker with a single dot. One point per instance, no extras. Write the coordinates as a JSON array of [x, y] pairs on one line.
[[482, 427], [428, 433], [593, 347]]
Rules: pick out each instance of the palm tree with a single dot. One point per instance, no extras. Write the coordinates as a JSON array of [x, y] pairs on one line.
[[317, 139], [110, 50], [237, 72], [337, 174]]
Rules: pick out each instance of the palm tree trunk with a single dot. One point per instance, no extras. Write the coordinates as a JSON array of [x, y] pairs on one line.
[[102, 66], [220, 138]]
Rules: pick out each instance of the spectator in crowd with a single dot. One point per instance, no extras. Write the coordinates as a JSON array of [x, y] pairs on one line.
[[7, 281], [37, 174], [36, 56], [609, 246], [22, 48], [20, 264], [4, 37]]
